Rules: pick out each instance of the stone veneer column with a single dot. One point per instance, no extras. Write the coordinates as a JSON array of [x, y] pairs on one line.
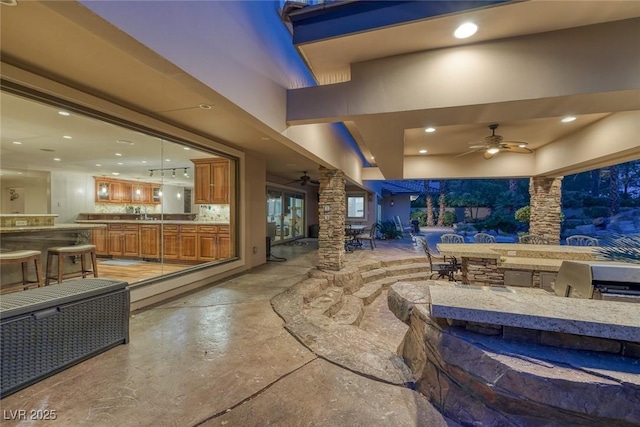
[[332, 211], [546, 207]]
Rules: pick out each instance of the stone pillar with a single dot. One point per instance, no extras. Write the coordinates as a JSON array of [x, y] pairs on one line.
[[546, 207], [332, 211]]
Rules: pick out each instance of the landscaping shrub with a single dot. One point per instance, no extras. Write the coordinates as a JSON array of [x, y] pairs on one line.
[[596, 211]]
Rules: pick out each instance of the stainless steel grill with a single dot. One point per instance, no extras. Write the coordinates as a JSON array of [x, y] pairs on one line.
[[593, 280]]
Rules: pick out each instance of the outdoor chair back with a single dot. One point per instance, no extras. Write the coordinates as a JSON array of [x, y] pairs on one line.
[[439, 269], [483, 238], [580, 240], [533, 239], [451, 238], [369, 235], [404, 229]]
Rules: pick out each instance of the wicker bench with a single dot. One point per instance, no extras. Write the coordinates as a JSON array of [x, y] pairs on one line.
[[46, 330]]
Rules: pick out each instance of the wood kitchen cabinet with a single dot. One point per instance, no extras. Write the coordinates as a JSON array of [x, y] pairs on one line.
[[124, 240], [211, 181], [150, 241], [110, 190], [180, 242], [213, 242], [99, 239]]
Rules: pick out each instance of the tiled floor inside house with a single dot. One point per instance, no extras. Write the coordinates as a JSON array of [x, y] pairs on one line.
[[220, 356]]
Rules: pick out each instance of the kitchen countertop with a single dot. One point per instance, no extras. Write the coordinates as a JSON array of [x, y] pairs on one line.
[[496, 250], [56, 227], [595, 318], [147, 221]]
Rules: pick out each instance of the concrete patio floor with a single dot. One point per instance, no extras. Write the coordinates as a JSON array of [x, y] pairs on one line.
[[220, 356]]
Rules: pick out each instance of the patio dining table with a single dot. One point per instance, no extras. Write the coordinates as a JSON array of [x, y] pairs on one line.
[[352, 231]]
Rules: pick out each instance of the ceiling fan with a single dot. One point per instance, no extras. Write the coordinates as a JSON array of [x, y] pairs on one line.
[[305, 179], [493, 144]]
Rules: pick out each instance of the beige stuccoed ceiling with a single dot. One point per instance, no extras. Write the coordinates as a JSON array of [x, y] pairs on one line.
[[137, 78], [530, 64]]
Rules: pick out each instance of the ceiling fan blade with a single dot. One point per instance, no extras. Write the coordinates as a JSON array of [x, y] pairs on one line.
[[469, 152], [516, 143], [478, 146], [488, 156], [516, 149]]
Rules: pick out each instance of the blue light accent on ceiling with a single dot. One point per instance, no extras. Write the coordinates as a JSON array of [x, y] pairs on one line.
[[330, 20]]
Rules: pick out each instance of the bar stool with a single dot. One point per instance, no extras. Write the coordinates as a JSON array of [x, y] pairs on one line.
[[24, 257], [71, 251]]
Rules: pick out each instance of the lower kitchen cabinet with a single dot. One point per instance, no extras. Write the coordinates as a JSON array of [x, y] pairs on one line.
[[213, 242], [150, 241], [123, 240], [188, 243], [99, 239]]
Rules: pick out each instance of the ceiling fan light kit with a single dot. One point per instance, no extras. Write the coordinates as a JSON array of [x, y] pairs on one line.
[[494, 144]]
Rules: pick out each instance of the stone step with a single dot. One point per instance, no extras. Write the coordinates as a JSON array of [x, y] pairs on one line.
[[372, 275], [402, 269], [406, 260], [311, 288], [351, 312], [328, 303], [368, 265], [370, 291]]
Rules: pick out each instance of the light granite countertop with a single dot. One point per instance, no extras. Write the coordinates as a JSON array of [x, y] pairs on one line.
[[148, 221], [595, 318], [56, 227]]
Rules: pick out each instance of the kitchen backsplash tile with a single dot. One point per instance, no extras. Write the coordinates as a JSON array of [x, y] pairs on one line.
[[122, 208], [215, 213]]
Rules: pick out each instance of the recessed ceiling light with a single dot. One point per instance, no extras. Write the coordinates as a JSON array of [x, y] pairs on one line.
[[144, 161], [167, 160], [17, 142], [373, 158], [57, 159], [429, 130], [118, 154], [115, 173], [186, 148], [98, 164], [422, 151], [66, 137], [64, 113], [125, 141], [568, 119], [120, 163], [465, 30], [205, 106]]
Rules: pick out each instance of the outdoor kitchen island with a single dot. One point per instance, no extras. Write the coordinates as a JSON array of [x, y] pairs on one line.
[[513, 264], [517, 356]]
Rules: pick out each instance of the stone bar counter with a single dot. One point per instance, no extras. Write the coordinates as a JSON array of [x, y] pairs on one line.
[[39, 232], [500, 264]]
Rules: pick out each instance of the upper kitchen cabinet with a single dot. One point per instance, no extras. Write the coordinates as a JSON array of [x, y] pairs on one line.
[[120, 191], [211, 181]]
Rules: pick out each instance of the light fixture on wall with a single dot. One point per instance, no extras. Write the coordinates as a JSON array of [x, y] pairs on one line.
[[186, 173], [178, 195], [391, 203], [173, 174], [151, 172]]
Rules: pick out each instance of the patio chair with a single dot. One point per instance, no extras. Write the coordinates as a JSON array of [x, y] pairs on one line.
[[404, 229], [368, 235], [441, 269], [580, 240], [483, 238], [451, 238], [533, 239]]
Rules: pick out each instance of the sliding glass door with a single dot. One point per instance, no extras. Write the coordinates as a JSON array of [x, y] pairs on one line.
[[285, 214]]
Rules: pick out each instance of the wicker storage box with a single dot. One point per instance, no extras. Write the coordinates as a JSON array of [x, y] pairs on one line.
[[46, 330]]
